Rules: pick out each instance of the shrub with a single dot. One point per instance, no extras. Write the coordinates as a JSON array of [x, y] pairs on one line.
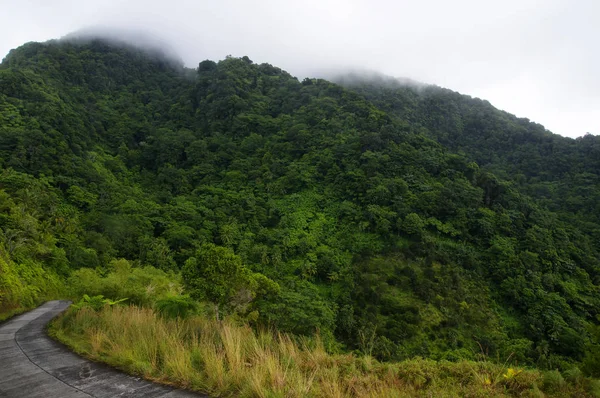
[[574, 375], [25, 284], [594, 388], [176, 306], [96, 302], [553, 381], [142, 285]]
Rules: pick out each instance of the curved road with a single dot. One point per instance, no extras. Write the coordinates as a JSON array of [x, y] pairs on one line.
[[34, 365]]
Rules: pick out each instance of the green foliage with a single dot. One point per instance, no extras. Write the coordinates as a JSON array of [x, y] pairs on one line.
[[299, 309], [176, 306], [261, 363], [553, 381], [96, 303], [401, 221], [216, 274], [31, 259], [25, 284], [412, 225], [591, 361], [142, 285]]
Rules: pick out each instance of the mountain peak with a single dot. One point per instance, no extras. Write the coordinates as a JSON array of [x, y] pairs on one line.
[[123, 37]]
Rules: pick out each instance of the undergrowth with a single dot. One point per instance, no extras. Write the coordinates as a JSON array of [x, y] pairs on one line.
[[225, 359]]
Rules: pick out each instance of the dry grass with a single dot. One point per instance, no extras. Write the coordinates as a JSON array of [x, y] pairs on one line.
[[224, 359]]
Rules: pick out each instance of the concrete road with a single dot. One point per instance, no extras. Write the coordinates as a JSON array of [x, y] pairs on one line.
[[33, 365]]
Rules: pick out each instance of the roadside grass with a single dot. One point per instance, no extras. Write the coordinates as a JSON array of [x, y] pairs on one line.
[[224, 359], [6, 314]]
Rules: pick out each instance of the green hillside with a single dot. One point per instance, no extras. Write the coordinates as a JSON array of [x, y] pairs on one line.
[[394, 221], [560, 172]]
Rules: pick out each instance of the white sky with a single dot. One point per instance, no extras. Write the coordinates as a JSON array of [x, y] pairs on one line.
[[538, 59]]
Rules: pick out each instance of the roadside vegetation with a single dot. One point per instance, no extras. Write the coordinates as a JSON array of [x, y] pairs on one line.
[[141, 321], [225, 358]]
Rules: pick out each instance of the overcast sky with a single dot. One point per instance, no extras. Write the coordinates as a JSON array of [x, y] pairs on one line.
[[538, 59]]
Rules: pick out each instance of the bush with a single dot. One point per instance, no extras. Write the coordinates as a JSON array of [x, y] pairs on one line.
[[594, 388], [553, 381], [176, 307], [25, 284], [591, 361], [573, 375], [96, 303], [142, 285]]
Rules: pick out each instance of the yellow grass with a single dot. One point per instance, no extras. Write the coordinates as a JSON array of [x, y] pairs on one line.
[[224, 359]]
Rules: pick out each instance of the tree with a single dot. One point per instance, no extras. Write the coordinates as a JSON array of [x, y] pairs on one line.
[[591, 362], [215, 274], [413, 224]]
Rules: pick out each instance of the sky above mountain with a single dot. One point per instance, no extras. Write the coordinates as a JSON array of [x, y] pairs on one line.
[[533, 58]]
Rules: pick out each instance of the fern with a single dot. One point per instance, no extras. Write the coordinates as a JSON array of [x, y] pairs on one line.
[[96, 302]]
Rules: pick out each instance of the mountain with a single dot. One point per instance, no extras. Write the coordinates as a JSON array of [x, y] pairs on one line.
[[561, 172], [397, 220]]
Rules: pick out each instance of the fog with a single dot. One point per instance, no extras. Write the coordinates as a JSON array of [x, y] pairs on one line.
[[127, 37], [535, 59]]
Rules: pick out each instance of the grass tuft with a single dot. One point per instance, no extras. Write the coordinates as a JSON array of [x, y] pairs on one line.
[[225, 359]]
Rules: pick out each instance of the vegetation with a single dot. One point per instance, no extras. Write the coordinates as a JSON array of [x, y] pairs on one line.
[[32, 263], [394, 221], [225, 359]]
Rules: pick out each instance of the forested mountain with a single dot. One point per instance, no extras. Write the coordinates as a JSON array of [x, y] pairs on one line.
[[396, 221], [560, 172]]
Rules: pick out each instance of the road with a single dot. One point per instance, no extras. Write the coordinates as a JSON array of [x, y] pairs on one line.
[[33, 365]]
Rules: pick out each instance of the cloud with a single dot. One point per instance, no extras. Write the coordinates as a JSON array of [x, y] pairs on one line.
[[141, 39], [534, 58]]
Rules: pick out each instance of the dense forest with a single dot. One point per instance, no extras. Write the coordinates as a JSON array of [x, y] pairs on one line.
[[393, 219]]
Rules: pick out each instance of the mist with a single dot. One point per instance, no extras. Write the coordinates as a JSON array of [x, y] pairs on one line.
[[535, 59], [137, 38]]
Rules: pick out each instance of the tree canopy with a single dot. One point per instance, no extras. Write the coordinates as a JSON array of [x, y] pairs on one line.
[[400, 221]]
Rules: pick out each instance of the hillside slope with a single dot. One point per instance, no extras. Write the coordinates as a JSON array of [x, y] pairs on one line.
[[561, 172], [380, 238]]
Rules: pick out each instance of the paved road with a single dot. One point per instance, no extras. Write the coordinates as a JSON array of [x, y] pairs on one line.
[[33, 365]]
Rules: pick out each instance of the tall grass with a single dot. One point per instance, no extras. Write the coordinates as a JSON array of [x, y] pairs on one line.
[[224, 359]]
